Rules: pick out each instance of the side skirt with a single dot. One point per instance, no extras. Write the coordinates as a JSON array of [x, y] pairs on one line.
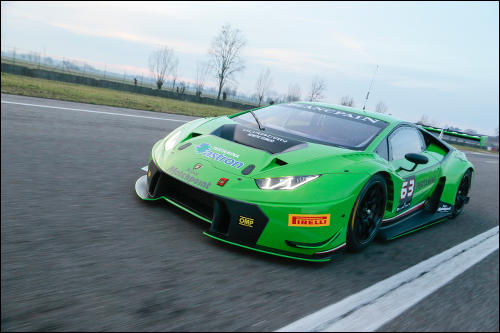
[[413, 222]]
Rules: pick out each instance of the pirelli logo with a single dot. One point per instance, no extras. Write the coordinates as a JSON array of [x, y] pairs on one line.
[[307, 220]]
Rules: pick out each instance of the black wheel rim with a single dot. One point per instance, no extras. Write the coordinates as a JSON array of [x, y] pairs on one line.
[[369, 213], [463, 191]]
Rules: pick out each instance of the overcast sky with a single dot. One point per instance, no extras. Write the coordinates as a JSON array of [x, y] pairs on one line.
[[436, 58]]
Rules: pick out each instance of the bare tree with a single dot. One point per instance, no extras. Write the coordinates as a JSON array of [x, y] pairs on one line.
[[234, 91], [454, 128], [381, 107], [272, 97], [294, 92], [225, 55], [318, 86], [201, 76], [231, 90], [160, 64], [181, 87], [263, 84], [470, 131], [347, 100], [424, 120], [175, 72]]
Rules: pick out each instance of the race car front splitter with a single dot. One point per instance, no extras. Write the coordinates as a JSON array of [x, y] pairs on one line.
[[232, 221]]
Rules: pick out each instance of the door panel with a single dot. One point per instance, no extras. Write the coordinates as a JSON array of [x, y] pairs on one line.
[[415, 186], [411, 188]]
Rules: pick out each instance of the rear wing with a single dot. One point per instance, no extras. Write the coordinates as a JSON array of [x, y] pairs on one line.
[[457, 137]]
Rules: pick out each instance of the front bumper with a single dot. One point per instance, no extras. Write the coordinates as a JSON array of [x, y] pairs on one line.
[[232, 221]]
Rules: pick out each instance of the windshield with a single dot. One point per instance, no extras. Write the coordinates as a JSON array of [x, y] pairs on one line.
[[317, 124]]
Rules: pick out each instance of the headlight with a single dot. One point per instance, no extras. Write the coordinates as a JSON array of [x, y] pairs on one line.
[[284, 183], [172, 141]]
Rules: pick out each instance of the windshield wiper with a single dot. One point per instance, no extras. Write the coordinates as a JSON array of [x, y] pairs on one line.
[[257, 120]]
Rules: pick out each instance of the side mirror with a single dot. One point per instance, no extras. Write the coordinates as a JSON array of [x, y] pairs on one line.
[[415, 158]]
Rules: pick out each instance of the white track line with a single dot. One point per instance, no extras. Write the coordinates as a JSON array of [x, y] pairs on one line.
[[92, 111], [375, 306]]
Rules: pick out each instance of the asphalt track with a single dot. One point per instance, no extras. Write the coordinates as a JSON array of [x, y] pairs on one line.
[[80, 252]]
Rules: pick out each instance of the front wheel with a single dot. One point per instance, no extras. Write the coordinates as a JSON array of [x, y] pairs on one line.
[[367, 214]]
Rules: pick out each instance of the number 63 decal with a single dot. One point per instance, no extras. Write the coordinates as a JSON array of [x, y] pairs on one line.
[[407, 188]]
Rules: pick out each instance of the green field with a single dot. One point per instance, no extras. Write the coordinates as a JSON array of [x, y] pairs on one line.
[[28, 86]]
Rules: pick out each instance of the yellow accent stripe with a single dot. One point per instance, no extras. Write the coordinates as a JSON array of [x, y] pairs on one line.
[[354, 214]]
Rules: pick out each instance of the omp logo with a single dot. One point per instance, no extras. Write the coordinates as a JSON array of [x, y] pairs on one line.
[[308, 220], [246, 221], [207, 150]]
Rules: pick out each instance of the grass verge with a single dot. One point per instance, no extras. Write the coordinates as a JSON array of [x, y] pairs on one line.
[[28, 86]]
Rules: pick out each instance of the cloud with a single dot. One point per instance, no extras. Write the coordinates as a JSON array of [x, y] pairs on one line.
[[177, 45], [296, 60], [426, 84], [125, 21]]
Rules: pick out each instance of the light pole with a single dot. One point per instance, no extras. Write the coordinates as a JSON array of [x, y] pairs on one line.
[[371, 84]]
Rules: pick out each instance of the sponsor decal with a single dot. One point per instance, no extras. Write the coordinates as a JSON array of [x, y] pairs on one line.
[[219, 154], [265, 141], [192, 171], [197, 166], [188, 177], [222, 181], [308, 220], [425, 182], [444, 208], [339, 113], [263, 136], [407, 190], [246, 221]]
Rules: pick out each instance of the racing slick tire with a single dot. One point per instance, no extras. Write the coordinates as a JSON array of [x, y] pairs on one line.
[[462, 192], [367, 214]]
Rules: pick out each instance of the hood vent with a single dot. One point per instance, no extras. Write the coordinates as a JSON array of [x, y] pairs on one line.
[[263, 140], [276, 162], [248, 169]]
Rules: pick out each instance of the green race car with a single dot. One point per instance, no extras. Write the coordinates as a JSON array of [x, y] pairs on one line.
[[302, 180]]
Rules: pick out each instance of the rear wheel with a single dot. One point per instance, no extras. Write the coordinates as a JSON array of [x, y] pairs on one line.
[[462, 193], [367, 214]]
